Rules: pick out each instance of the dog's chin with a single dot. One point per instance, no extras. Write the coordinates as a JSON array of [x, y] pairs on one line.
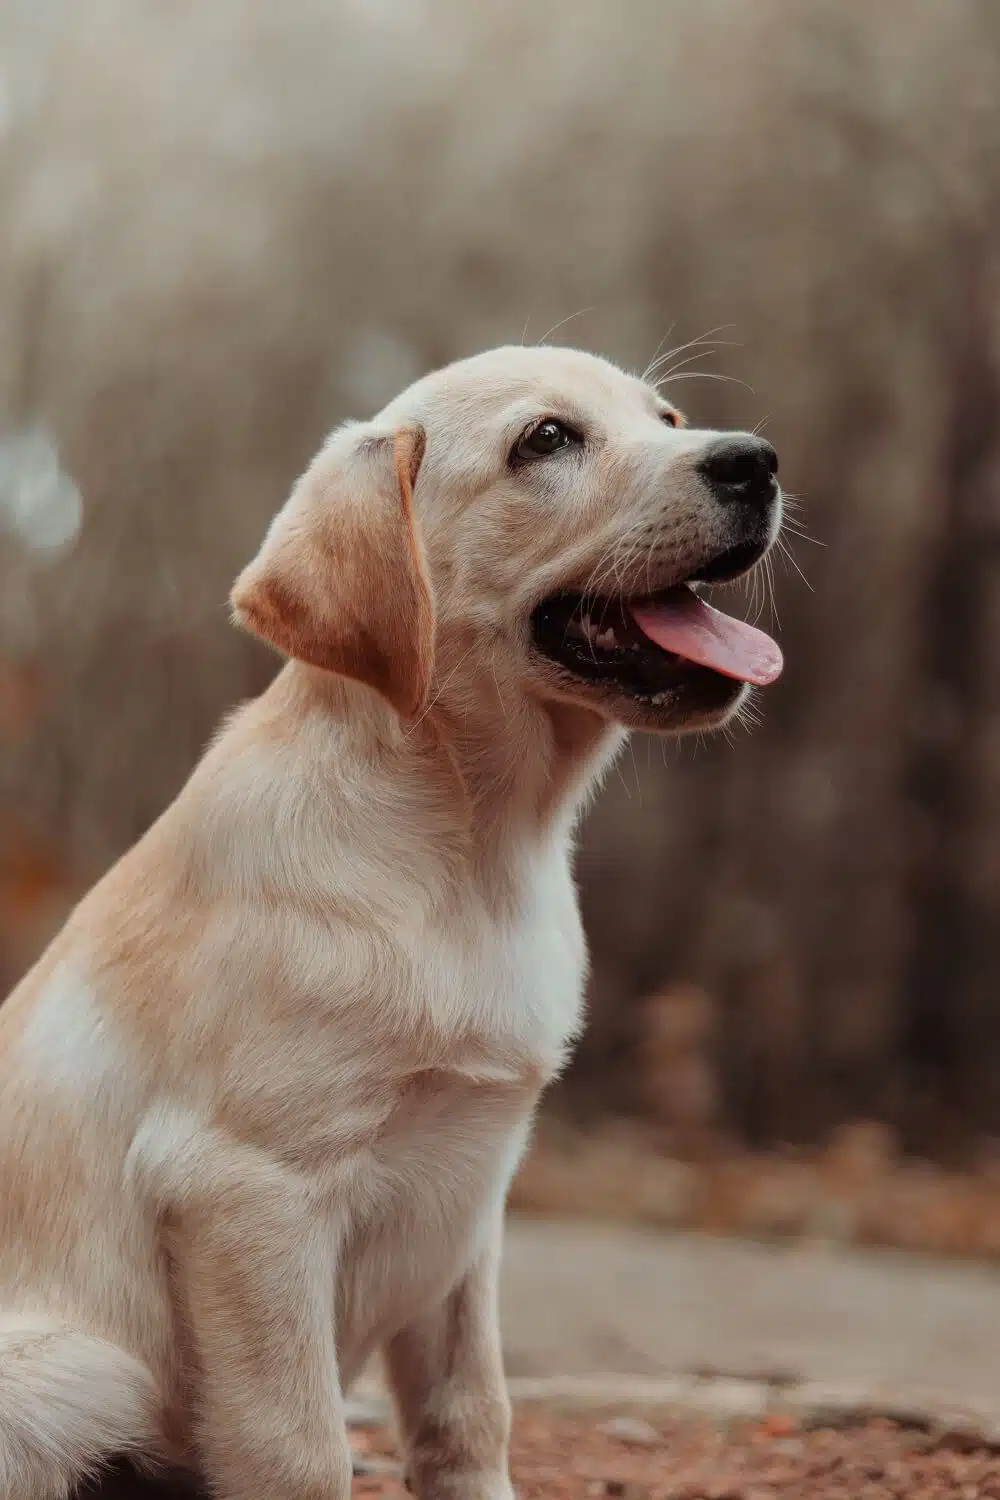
[[704, 701]]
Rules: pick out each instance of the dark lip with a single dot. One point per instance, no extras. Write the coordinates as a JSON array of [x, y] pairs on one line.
[[731, 564]]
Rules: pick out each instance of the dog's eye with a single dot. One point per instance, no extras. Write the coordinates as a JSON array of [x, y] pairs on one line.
[[544, 438]]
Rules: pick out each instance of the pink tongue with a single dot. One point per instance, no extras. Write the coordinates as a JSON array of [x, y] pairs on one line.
[[683, 623]]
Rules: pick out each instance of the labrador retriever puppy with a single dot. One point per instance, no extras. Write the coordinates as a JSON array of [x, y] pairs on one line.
[[261, 1100]]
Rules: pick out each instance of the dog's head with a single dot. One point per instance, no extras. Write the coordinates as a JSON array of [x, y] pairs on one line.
[[542, 515]]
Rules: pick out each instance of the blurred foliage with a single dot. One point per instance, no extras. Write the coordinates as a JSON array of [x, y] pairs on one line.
[[228, 226]]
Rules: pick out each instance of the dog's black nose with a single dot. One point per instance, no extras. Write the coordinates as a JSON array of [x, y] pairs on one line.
[[740, 468]]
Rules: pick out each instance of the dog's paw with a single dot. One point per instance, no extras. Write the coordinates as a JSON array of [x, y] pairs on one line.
[[465, 1486]]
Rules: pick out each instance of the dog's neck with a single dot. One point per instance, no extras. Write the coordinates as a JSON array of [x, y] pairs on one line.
[[527, 765], [522, 766]]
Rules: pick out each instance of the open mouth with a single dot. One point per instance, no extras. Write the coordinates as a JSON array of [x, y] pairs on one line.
[[652, 647]]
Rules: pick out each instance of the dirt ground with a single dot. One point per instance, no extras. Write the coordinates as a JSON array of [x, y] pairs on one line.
[[565, 1457], [765, 1354]]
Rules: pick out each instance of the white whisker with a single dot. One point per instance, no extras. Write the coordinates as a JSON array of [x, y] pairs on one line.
[[682, 364], [787, 553], [703, 341], [706, 375], [562, 323], [646, 372]]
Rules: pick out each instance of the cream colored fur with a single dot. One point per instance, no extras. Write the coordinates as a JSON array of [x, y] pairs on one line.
[[261, 1101]]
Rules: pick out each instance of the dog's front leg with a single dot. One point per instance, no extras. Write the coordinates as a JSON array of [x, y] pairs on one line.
[[257, 1277], [446, 1375]]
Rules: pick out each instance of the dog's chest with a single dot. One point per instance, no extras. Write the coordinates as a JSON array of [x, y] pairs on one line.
[[509, 986], [420, 1202], [501, 1003]]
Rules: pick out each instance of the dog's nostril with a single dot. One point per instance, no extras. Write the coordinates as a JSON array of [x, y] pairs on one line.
[[740, 467]]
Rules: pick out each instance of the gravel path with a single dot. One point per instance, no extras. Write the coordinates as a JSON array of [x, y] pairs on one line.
[[583, 1299]]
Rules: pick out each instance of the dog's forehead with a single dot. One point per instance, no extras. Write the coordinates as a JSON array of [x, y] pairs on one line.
[[487, 385]]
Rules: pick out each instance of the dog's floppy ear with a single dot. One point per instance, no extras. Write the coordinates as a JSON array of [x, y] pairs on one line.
[[341, 579]]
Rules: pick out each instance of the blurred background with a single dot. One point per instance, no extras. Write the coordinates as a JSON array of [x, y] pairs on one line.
[[226, 227]]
